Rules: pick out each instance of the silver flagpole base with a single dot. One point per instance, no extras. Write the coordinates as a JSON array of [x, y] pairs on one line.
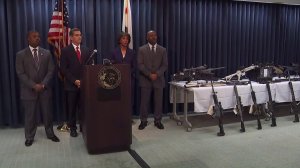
[[63, 127]]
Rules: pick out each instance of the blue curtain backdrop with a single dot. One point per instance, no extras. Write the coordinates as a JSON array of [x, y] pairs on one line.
[[195, 32]]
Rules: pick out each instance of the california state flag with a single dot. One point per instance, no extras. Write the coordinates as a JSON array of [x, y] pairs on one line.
[[127, 22]]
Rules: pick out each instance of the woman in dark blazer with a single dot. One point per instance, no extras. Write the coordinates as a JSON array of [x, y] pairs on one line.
[[124, 55]]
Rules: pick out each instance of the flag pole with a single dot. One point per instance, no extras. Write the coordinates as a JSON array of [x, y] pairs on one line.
[[63, 32], [63, 127]]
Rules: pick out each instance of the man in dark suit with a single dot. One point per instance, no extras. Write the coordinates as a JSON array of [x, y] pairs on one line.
[[73, 57], [35, 68], [152, 63]]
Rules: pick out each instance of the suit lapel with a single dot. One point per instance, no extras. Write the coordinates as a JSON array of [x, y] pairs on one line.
[[120, 56], [127, 55], [157, 50], [41, 57], [29, 56], [74, 54], [83, 55]]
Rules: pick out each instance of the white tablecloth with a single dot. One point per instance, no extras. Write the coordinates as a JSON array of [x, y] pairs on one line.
[[283, 93], [202, 96]]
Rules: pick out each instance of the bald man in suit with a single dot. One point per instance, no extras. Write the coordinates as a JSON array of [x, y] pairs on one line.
[[152, 64], [35, 68]]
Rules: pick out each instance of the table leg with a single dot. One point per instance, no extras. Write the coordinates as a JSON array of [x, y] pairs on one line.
[[186, 122], [174, 115]]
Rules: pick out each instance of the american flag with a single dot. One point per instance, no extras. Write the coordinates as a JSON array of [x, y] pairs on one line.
[[58, 35]]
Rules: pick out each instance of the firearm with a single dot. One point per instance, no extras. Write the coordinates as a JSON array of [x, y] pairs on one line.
[[211, 69], [218, 110], [196, 68], [270, 104], [240, 73], [190, 73], [294, 105], [278, 70], [293, 68], [239, 107], [256, 107]]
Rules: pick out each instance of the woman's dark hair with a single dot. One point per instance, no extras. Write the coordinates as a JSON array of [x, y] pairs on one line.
[[123, 34]]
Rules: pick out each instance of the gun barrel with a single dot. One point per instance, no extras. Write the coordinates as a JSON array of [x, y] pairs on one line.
[[249, 68], [196, 68], [212, 69]]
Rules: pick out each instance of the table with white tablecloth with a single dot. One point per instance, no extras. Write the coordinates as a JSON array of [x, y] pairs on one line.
[[203, 101]]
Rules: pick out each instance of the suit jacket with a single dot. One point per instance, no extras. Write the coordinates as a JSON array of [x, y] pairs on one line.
[[152, 62], [130, 58], [71, 67], [29, 75]]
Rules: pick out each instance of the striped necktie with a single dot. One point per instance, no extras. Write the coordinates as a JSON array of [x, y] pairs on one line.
[[153, 49], [78, 54], [36, 58]]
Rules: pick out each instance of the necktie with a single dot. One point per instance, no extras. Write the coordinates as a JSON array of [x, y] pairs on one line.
[[153, 48], [78, 54], [36, 58]]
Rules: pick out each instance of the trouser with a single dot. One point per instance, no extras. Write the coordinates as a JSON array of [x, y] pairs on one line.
[[145, 101], [31, 107], [73, 105]]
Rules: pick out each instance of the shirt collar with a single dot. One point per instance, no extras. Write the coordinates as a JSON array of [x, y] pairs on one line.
[[150, 45], [31, 48], [75, 46]]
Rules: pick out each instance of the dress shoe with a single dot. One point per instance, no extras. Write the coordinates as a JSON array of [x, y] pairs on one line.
[[54, 139], [28, 142], [73, 133], [143, 124], [159, 125]]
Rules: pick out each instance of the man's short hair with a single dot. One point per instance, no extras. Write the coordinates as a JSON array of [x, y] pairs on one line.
[[30, 32], [72, 31]]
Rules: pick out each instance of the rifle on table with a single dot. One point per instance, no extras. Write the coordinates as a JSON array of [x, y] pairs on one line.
[[191, 72], [218, 110], [239, 107], [240, 73], [270, 104], [257, 109], [294, 105]]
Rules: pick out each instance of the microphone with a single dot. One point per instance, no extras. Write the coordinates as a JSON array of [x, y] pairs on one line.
[[91, 56], [106, 61]]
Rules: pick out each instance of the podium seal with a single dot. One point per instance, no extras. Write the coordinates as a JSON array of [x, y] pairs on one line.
[[109, 77]]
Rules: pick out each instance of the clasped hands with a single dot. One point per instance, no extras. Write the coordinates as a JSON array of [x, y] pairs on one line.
[[77, 83], [153, 76], [39, 87]]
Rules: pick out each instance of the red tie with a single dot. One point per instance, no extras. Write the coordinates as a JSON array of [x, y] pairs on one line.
[[78, 54]]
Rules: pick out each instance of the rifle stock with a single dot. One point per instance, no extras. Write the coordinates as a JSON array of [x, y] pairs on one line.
[[270, 104], [240, 73], [218, 110], [294, 106], [239, 107], [256, 107]]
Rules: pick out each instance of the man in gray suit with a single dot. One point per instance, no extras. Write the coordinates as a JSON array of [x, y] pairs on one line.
[[152, 63], [35, 68]]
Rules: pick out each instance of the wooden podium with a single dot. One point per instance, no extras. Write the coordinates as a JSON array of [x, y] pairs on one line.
[[106, 113]]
